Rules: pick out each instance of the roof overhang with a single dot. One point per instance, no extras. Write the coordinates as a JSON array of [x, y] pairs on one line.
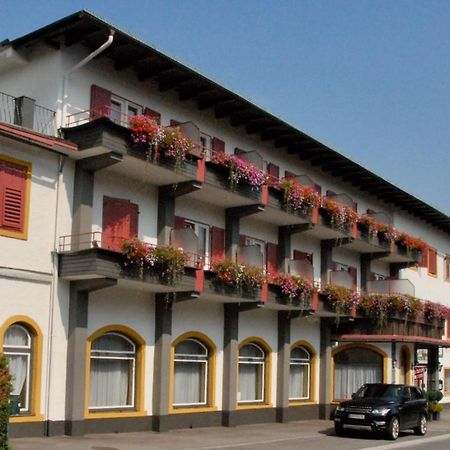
[[148, 63]]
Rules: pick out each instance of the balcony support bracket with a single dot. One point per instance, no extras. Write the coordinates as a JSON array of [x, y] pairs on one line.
[[99, 162], [244, 211], [294, 229], [337, 242], [179, 189], [375, 256]]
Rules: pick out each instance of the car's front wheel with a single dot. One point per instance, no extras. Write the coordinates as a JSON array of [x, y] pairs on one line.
[[421, 429], [394, 429], [339, 429]]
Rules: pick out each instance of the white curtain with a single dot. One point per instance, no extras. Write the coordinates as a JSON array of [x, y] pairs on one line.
[[18, 367], [110, 382], [348, 378], [250, 386], [189, 383], [299, 382]]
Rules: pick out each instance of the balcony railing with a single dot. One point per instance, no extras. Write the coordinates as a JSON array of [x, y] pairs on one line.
[[24, 112], [341, 278], [302, 268], [250, 255], [391, 287]]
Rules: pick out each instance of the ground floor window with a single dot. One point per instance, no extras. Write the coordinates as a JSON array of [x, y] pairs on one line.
[[300, 374], [252, 370], [112, 372], [353, 367], [191, 373]]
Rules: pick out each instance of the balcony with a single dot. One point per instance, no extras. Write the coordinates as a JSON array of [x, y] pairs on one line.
[[101, 131], [391, 287], [85, 256], [24, 112]]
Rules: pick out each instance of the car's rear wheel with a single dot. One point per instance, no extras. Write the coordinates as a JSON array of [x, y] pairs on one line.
[[394, 429], [421, 429], [339, 429]]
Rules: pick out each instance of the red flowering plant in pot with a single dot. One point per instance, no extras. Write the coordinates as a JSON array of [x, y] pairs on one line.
[[435, 313], [343, 300], [377, 307], [369, 226], [297, 289], [341, 217], [240, 170], [239, 277], [404, 306], [411, 243], [298, 197]]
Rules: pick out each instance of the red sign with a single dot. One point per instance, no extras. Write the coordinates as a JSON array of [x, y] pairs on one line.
[[418, 372]]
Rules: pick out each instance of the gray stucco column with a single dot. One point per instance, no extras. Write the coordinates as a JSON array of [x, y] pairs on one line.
[[76, 352], [24, 112], [284, 354], [325, 394], [161, 367], [230, 363]]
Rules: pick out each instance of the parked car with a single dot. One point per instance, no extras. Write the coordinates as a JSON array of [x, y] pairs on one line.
[[386, 408]]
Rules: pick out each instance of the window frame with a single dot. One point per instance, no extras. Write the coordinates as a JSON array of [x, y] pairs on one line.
[[197, 227], [125, 105], [5, 231], [301, 362], [133, 378]]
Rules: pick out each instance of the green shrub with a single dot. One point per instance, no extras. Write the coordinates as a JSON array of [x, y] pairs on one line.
[[5, 391]]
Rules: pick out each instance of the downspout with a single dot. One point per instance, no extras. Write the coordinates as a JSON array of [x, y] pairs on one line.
[[53, 292], [83, 62]]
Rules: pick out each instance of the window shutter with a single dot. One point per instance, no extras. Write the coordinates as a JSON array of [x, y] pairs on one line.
[[273, 170], [156, 116], [355, 206], [318, 188], [272, 258], [432, 261], [100, 102], [353, 272], [424, 261], [217, 244], [298, 255], [218, 145], [288, 174], [179, 222], [372, 276], [242, 239], [12, 196], [120, 222]]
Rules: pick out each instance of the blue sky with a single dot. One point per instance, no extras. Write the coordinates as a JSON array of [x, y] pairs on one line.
[[369, 78]]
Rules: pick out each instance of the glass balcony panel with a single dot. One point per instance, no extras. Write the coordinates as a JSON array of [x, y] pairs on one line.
[[250, 255], [302, 268], [343, 199], [381, 217], [341, 278], [191, 131], [253, 158], [391, 287], [304, 180], [187, 240]]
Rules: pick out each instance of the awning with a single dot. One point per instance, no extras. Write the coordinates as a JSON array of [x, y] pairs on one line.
[[391, 338]]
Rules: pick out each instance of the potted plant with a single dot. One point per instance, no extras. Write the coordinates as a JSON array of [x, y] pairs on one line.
[[296, 289], [341, 217], [434, 407], [297, 197], [343, 300], [375, 306]]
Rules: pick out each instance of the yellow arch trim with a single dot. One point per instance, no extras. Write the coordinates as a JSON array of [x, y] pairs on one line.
[[373, 348], [140, 373], [313, 373], [268, 373], [28, 166], [211, 387], [36, 375]]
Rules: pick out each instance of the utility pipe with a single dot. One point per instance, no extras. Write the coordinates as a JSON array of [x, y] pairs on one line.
[[83, 62]]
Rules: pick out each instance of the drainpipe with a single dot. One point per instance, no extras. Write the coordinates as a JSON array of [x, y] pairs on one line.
[[83, 62], [53, 293]]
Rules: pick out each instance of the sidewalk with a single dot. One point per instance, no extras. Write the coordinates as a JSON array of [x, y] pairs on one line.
[[245, 436]]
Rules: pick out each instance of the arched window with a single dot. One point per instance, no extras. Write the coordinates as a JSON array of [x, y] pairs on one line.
[[252, 372], [112, 372], [353, 367], [18, 348], [191, 366], [300, 374]]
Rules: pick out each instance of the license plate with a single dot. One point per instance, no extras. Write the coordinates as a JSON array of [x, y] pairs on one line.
[[356, 416]]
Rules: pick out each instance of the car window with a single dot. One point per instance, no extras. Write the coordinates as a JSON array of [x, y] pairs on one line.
[[415, 394]]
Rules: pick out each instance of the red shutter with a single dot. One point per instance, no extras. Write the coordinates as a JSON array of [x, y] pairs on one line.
[[242, 239], [218, 145], [432, 261], [355, 206], [272, 258], [372, 276], [353, 272], [318, 188], [156, 116], [288, 174], [13, 180], [179, 222], [100, 102], [303, 255], [217, 244], [273, 170], [239, 151], [120, 222], [424, 261]]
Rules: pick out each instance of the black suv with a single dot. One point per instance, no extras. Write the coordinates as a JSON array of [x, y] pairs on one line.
[[386, 408]]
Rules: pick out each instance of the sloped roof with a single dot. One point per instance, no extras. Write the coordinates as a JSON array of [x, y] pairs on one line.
[[128, 52]]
